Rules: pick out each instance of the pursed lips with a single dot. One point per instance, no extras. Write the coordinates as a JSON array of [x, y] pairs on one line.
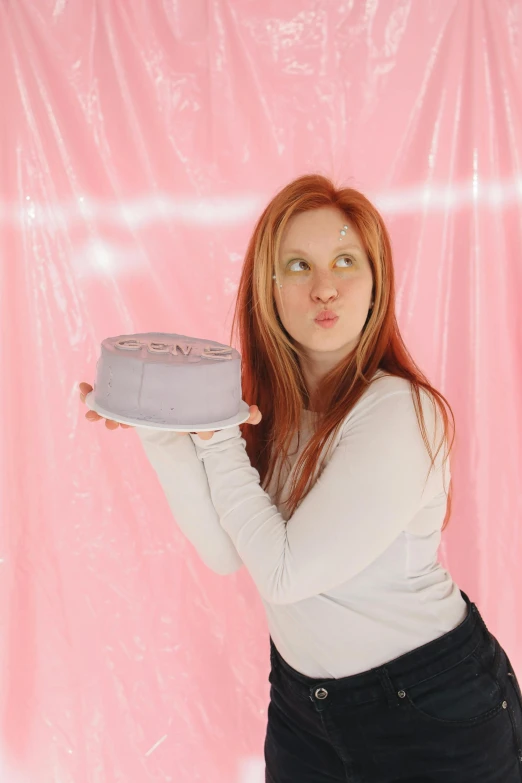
[[329, 316]]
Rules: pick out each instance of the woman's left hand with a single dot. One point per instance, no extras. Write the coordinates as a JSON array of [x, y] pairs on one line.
[[254, 418]]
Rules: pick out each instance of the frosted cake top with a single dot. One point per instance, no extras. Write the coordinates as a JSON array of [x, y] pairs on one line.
[[172, 348]]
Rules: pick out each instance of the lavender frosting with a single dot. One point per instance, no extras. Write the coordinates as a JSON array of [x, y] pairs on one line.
[[168, 379]]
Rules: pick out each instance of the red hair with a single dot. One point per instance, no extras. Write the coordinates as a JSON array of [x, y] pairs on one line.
[[271, 373]]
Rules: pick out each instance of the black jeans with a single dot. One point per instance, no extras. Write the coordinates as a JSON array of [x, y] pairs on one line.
[[449, 711]]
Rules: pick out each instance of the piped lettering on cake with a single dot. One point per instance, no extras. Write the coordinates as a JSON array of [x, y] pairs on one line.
[[129, 345], [165, 348], [206, 352], [217, 353]]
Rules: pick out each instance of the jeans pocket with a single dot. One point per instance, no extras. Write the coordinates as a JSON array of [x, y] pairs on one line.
[[465, 694]]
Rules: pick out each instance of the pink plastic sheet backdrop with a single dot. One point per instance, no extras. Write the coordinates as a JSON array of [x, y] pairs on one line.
[[140, 141]]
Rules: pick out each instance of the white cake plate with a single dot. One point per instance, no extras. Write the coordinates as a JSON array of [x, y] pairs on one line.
[[239, 418]]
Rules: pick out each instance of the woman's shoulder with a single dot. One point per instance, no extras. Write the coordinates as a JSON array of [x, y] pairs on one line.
[[384, 385]]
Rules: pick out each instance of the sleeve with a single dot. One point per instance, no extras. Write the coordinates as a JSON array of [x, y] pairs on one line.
[[184, 482], [370, 489]]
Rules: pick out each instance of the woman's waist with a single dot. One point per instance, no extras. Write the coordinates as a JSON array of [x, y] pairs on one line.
[[325, 637]]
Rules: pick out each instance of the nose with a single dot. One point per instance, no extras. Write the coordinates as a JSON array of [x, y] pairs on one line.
[[324, 287]]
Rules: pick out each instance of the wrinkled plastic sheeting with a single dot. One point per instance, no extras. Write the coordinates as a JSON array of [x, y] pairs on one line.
[[140, 142]]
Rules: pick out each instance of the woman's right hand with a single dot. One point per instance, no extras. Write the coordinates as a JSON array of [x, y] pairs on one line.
[[85, 388]]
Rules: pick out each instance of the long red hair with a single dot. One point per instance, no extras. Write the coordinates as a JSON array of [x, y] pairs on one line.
[[271, 374]]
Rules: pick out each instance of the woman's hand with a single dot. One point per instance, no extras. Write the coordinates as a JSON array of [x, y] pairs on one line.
[[85, 388], [254, 418]]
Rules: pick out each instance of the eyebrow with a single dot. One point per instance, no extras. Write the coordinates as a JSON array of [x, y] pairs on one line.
[[339, 249]]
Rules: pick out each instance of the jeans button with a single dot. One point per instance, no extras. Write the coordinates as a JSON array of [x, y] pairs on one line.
[[321, 693]]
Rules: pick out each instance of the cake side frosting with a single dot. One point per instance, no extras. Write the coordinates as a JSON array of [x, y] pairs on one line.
[[168, 378]]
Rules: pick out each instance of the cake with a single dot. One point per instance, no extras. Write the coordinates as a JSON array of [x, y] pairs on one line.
[[168, 379]]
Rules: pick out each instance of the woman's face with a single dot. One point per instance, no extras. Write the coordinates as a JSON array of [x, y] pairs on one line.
[[320, 268]]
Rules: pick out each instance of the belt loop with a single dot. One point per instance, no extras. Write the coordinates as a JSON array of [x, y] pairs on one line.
[[392, 696], [480, 619], [475, 611]]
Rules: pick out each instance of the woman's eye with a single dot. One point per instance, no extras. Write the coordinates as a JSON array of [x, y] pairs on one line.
[[293, 263], [343, 258]]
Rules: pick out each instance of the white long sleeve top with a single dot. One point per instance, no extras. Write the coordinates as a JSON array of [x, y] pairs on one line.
[[351, 580]]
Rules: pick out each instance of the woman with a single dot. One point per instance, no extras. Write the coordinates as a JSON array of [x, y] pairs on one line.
[[382, 669]]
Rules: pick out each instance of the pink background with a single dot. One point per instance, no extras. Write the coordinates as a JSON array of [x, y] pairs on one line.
[[140, 141]]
